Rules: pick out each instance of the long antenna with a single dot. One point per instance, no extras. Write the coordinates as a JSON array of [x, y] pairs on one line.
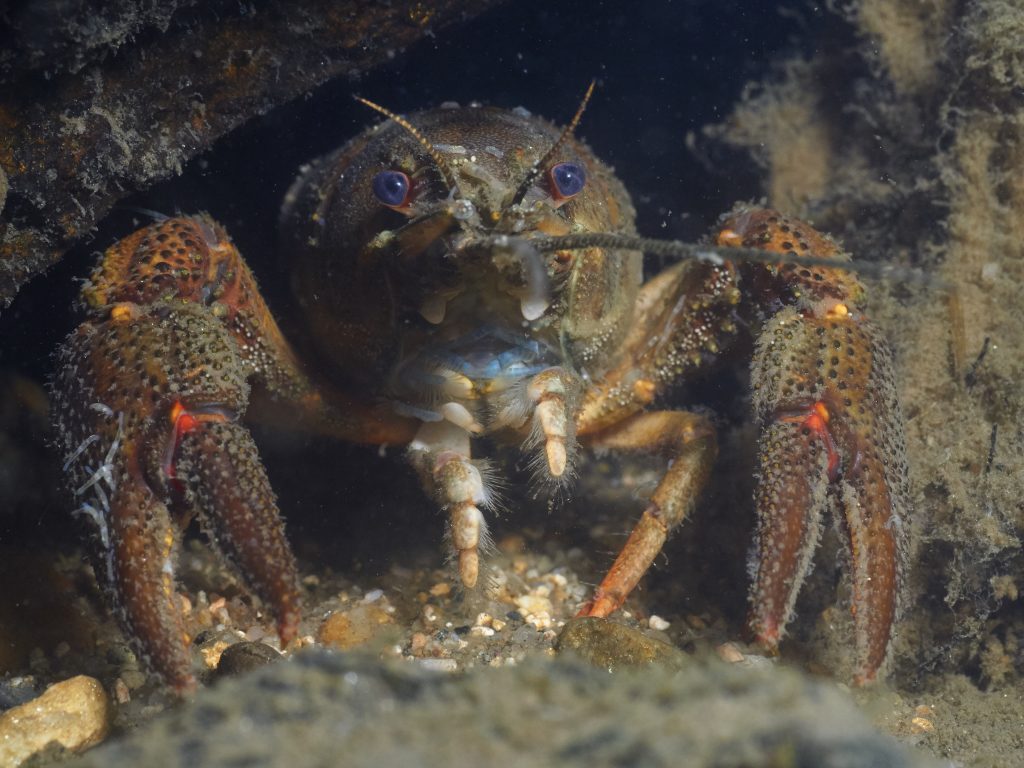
[[536, 168], [717, 254], [437, 157]]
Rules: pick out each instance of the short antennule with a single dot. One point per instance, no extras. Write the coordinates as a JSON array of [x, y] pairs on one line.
[[439, 161], [538, 167]]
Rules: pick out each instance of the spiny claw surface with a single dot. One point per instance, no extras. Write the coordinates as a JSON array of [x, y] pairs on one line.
[[146, 405], [825, 394]]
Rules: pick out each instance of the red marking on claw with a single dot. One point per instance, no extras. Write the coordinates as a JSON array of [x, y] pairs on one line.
[[186, 421], [816, 419]]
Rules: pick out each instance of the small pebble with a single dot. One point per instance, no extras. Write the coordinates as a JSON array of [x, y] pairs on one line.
[[610, 645], [658, 623], [921, 725], [219, 609], [696, 622], [211, 653], [990, 273], [728, 652], [540, 620], [121, 693], [922, 721], [355, 627], [245, 657], [535, 604], [75, 713], [211, 644], [732, 654], [440, 665], [133, 678], [440, 590], [479, 631]]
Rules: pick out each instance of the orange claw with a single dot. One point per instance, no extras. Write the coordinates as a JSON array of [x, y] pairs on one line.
[[832, 437], [141, 463], [146, 403]]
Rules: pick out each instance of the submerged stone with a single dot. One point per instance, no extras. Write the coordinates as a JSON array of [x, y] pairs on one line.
[[611, 645]]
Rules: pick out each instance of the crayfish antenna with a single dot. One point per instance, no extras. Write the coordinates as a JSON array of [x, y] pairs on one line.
[[536, 168], [442, 165]]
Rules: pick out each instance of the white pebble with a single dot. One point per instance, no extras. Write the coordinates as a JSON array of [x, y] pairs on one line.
[[656, 622], [990, 273], [540, 620], [440, 665]]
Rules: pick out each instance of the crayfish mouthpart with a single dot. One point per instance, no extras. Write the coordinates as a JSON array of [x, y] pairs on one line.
[[460, 416], [536, 296], [532, 308]]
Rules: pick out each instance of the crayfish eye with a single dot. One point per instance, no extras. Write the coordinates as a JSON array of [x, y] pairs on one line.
[[567, 180], [392, 188]]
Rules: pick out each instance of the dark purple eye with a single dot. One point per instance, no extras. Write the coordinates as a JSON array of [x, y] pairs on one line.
[[392, 188], [567, 180]]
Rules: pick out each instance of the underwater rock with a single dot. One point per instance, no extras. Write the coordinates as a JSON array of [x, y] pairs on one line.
[[74, 713], [355, 627], [244, 657], [319, 705], [612, 646], [100, 102]]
